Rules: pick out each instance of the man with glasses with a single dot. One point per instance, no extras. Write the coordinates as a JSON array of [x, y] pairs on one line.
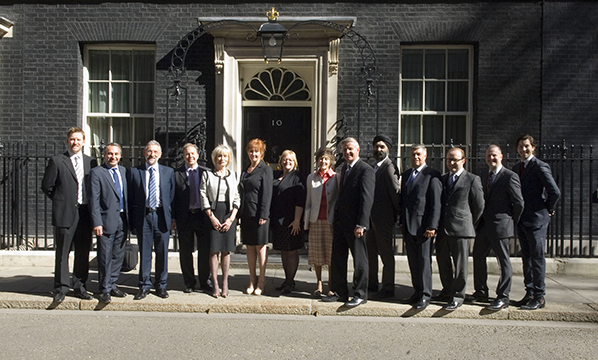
[[462, 207]]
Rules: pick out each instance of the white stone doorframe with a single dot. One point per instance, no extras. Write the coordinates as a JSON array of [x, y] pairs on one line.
[[317, 65]]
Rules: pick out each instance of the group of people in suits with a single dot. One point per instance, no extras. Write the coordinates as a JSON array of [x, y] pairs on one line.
[[351, 210], [106, 201], [459, 206]]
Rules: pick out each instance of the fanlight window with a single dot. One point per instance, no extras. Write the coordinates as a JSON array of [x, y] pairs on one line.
[[277, 84]]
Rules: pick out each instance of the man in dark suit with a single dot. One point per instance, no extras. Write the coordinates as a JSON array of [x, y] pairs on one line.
[[351, 218], [420, 215], [190, 220], [151, 191], [66, 183], [384, 215], [502, 210], [108, 204], [462, 207], [540, 194]]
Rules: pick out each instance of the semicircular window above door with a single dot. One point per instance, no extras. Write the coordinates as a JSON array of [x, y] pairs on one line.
[[277, 84]]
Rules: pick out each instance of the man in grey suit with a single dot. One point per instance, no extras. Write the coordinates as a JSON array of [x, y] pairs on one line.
[[540, 194], [66, 183], [351, 219], [420, 215], [384, 215], [108, 204], [502, 210], [151, 191], [462, 207]]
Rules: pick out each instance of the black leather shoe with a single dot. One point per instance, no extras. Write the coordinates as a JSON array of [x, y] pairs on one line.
[[118, 292], [288, 288], [59, 297], [141, 294], [356, 301], [188, 290], [442, 296], [523, 301], [383, 294], [452, 306], [411, 300], [284, 283], [498, 304], [334, 297], [82, 294], [478, 296], [534, 304], [105, 298], [207, 288], [162, 293], [421, 304]]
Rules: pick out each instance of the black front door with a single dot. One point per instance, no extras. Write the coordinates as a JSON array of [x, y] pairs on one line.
[[281, 128]]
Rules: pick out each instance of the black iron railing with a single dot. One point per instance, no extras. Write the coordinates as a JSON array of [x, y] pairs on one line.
[[25, 218]]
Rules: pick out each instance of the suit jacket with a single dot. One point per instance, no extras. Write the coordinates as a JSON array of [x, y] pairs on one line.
[[180, 206], [355, 197], [256, 190], [503, 205], [536, 178], [104, 202], [60, 185], [314, 197], [137, 196], [420, 201], [462, 205], [209, 190], [386, 196]]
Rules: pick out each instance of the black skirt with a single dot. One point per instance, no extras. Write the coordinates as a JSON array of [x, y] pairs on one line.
[[222, 242], [252, 233]]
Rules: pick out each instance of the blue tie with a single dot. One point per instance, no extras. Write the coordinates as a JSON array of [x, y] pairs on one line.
[[118, 188], [153, 198]]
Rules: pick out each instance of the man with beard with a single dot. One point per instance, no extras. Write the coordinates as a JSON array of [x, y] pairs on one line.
[[379, 239], [151, 190]]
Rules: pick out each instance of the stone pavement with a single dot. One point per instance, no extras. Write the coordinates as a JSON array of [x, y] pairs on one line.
[[572, 292]]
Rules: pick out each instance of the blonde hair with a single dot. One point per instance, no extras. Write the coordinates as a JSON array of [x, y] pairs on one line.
[[219, 150], [292, 155]]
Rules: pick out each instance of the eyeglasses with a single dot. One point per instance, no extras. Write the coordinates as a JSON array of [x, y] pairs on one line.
[[454, 161]]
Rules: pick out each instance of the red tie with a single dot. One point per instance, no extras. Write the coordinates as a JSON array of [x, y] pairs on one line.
[[522, 168]]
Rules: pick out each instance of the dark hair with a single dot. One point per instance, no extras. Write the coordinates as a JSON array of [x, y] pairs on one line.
[[531, 139]]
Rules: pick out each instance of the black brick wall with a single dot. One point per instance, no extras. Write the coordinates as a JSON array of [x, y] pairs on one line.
[[41, 66]]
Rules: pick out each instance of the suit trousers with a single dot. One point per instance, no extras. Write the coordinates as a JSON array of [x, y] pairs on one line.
[[533, 243], [419, 256], [343, 241], [78, 235], [481, 248], [151, 234], [454, 280], [380, 242], [195, 226], [111, 253]]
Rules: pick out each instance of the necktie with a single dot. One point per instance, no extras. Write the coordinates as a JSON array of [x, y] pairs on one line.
[[521, 167], [411, 177], [452, 180], [118, 187], [153, 190], [347, 171], [79, 173], [193, 190], [489, 182]]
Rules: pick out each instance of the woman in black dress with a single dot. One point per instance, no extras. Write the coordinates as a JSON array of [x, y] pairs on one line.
[[288, 201], [256, 184], [221, 201]]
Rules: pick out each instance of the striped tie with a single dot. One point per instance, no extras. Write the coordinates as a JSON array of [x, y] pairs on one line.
[[153, 191]]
